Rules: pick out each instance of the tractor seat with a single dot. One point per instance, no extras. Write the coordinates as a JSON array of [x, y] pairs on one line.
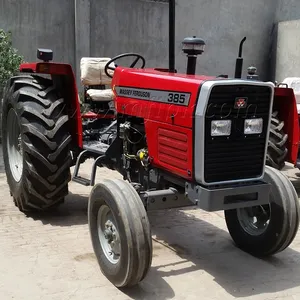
[[100, 95], [92, 71], [95, 80]]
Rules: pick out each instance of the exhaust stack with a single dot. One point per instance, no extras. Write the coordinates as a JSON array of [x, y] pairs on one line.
[[239, 61], [172, 36]]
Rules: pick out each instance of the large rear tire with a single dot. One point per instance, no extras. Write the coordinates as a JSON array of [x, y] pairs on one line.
[[1, 106], [35, 141], [120, 232], [277, 150], [268, 229]]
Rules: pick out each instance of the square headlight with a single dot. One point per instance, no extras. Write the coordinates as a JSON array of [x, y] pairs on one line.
[[253, 126], [220, 128]]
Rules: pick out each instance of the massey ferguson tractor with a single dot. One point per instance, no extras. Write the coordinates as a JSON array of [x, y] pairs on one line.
[[177, 139]]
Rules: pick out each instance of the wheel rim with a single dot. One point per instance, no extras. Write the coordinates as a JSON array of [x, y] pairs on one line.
[[108, 234], [254, 220], [14, 145]]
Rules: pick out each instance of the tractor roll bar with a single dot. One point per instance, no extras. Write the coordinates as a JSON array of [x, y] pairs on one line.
[[172, 36]]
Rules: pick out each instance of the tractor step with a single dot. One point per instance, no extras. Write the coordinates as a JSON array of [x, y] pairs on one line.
[[95, 147], [94, 150], [81, 180]]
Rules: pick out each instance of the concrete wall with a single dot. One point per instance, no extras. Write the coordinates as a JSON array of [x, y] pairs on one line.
[[285, 60], [288, 50], [76, 28], [287, 10], [142, 26], [40, 23]]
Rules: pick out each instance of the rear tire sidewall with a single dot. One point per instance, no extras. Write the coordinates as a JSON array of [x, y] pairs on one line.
[[15, 186], [1, 115], [116, 273], [45, 139]]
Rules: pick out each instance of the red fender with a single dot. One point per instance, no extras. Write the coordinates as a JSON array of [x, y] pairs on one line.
[[70, 91], [285, 104]]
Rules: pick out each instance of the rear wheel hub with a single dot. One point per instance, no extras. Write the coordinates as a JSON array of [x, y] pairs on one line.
[[14, 145]]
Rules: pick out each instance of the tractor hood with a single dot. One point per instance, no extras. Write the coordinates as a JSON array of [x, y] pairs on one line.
[[145, 92]]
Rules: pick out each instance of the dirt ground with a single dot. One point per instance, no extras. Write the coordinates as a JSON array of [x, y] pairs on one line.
[[194, 257]]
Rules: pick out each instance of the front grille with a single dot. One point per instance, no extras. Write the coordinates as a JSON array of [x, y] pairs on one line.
[[238, 156]]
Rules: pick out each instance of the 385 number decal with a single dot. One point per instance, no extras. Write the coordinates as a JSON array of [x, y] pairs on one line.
[[176, 98]]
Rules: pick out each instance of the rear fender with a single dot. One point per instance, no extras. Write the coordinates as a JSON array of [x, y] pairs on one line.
[[63, 77], [285, 104]]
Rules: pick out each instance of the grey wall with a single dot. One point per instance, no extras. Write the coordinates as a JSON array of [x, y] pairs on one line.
[[287, 10], [223, 23], [142, 26], [281, 63], [76, 28], [40, 23], [286, 45], [119, 26], [287, 50]]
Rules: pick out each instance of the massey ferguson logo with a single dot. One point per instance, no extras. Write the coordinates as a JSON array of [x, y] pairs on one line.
[[240, 103]]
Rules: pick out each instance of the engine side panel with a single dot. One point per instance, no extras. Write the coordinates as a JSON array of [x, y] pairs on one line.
[[169, 147]]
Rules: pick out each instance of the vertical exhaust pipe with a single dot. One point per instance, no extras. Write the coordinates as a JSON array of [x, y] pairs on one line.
[[172, 36], [239, 61]]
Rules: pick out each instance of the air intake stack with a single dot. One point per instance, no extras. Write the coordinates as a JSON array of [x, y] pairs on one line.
[[193, 47]]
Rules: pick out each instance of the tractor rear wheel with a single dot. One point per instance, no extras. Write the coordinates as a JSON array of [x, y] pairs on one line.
[[35, 141], [277, 150], [1, 105], [267, 229], [120, 232]]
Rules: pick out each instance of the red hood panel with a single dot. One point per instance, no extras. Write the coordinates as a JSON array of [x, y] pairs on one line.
[[157, 96]]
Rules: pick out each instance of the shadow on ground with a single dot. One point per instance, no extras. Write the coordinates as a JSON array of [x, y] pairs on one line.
[[206, 246], [72, 212], [154, 287], [211, 249]]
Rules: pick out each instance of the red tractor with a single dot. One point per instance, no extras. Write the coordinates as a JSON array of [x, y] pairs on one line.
[[177, 139]]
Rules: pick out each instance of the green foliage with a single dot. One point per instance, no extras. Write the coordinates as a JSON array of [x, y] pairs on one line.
[[10, 60]]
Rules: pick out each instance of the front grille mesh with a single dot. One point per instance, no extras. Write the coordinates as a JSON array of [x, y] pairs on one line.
[[238, 156]]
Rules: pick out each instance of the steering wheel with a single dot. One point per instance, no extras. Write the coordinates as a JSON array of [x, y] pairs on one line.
[[138, 57]]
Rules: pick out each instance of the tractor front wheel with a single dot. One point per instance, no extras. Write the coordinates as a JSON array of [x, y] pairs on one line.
[[120, 232], [35, 141], [267, 229]]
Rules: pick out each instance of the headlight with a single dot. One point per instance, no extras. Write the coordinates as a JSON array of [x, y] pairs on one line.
[[253, 126], [220, 128]]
